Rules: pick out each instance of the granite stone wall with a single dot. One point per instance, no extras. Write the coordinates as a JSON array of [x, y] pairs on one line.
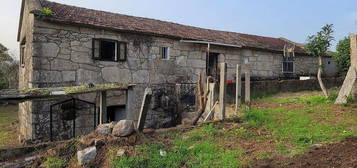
[[62, 56]]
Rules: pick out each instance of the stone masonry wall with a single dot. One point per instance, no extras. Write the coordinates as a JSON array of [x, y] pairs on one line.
[[25, 72], [62, 56]]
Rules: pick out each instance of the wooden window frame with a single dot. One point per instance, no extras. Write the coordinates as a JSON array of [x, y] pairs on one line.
[[162, 53], [118, 49]]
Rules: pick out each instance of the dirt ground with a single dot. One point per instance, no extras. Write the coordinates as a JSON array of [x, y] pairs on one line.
[[342, 154]]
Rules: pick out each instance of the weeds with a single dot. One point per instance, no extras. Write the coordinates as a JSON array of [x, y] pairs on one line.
[[299, 127], [197, 150], [53, 162], [46, 12], [289, 130]]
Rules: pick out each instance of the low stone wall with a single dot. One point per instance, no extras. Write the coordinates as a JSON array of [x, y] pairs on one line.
[[275, 86]]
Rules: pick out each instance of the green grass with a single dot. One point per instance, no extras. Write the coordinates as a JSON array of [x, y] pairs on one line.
[[300, 127], [199, 150], [53, 162], [8, 115], [289, 129]]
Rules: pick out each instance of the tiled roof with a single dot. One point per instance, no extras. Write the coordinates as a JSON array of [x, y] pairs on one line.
[[77, 15]]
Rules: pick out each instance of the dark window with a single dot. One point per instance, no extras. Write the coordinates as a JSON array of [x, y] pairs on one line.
[[288, 67], [22, 55], [22, 52], [109, 50], [164, 53]]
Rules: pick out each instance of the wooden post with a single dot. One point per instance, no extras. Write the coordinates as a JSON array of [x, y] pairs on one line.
[[103, 107], [247, 87], [238, 88], [144, 109], [222, 90], [200, 91]]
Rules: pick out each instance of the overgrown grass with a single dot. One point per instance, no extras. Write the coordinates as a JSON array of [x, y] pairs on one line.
[[308, 123], [289, 129], [54, 162], [197, 150], [8, 115]]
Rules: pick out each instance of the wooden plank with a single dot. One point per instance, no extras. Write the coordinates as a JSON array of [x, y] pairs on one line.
[[211, 111], [201, 110], [238, 88], [222, 90], [144, 109], [103, 107], [247, 87]]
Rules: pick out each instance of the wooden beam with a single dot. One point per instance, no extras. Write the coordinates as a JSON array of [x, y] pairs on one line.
[[238, 88], [103, 107], [222, 90], [144, 109], [247, 87], [211, 111]]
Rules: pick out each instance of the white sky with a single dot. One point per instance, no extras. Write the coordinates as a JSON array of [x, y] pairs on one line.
[[292, 19], [9, 19]]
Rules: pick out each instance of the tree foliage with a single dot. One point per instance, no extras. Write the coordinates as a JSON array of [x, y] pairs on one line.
[[4, 54], [318, 45], [9, 69], [343, 55]]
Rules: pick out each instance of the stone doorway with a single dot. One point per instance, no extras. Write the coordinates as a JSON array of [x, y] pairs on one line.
[[71, 118]]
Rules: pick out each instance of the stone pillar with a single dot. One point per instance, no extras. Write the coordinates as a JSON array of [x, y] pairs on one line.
[[144, 109], [247, 87], [238, 87], [222, 90], [130, 104], [103, 107], [350, 80]]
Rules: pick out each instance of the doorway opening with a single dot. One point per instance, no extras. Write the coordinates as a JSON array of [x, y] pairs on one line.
[[116, 113], [212, 65]]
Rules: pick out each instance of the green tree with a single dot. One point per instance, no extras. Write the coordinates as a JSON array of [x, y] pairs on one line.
[[343, 55], [318, 45], [4, 54], [9, 69]]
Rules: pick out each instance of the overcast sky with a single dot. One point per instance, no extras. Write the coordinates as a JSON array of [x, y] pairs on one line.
[[292, 19]]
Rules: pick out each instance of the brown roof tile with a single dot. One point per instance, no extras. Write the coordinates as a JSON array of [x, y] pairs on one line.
[[78, 15]]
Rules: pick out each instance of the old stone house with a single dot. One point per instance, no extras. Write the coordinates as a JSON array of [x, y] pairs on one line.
[[75, 46]]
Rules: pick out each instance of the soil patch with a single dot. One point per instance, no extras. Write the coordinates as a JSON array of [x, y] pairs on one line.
[[342, 154]]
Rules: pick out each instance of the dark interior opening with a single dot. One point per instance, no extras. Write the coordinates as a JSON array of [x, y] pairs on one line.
[[212, 64], [116, 113], [107, 50]]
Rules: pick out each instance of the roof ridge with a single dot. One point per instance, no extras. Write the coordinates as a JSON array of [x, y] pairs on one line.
[[71, 14], [171, 22]]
